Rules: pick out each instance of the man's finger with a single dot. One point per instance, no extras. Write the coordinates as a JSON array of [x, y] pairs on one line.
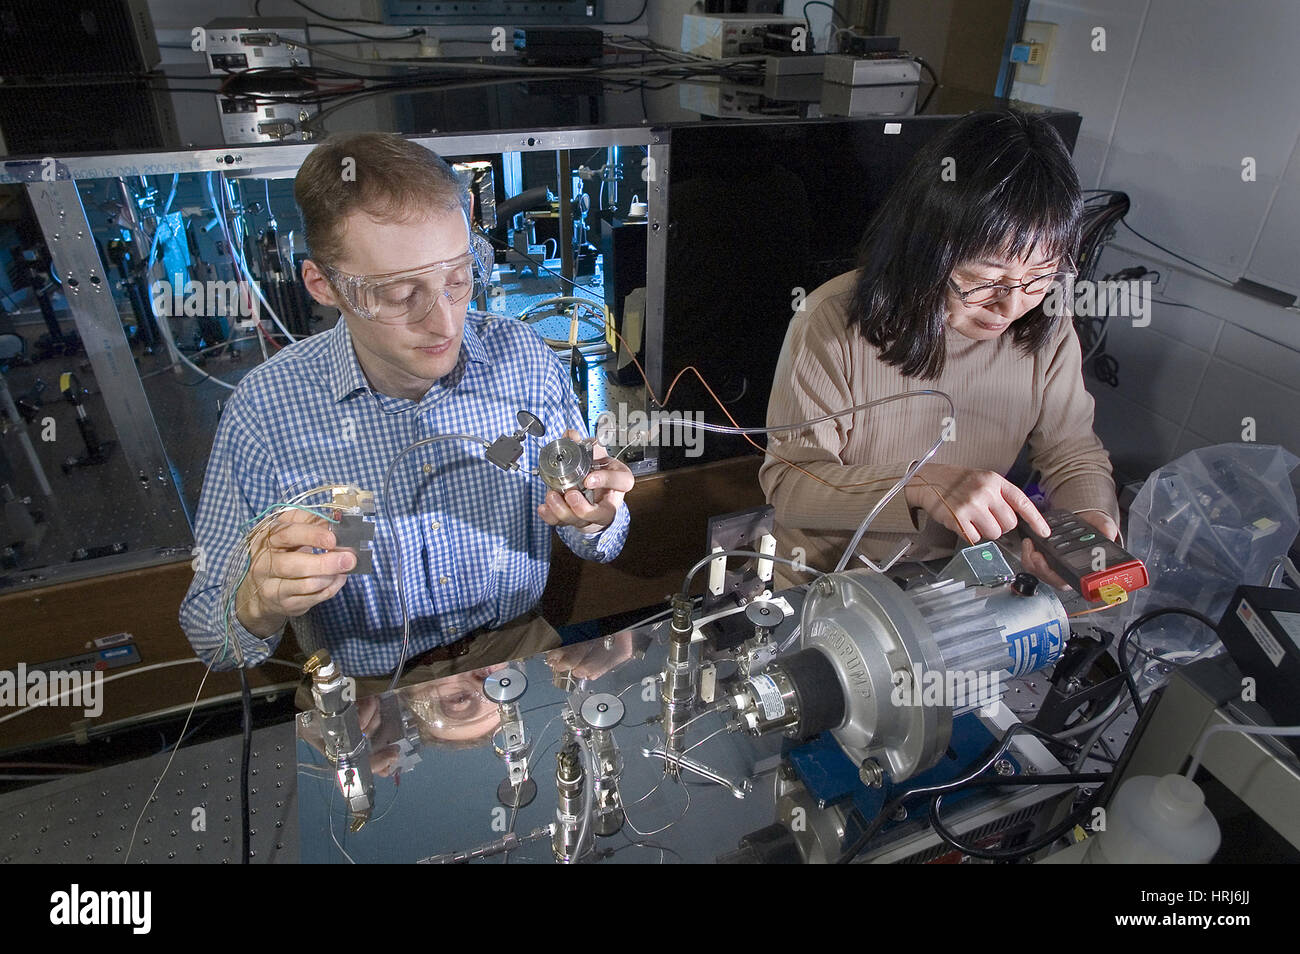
[[291, 536], [302, 595], [616, 476], [558, 509], [299, 565], [582, 509]]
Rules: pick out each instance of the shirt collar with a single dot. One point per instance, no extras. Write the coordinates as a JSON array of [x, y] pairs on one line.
[[346, 376], [471, 344]]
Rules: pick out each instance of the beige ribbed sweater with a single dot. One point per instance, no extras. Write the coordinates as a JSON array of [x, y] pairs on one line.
[[1004, 398]]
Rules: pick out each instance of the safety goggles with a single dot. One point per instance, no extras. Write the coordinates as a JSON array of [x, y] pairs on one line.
[[407, 297]]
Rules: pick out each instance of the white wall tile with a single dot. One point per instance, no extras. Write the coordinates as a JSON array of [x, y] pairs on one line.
[[1262, 357], [1196, 104], [1276, 259], [1156, 372], [1229, 394], [1138, 440]]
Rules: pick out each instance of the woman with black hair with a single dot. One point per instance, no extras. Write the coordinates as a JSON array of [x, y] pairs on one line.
[[954, 271]]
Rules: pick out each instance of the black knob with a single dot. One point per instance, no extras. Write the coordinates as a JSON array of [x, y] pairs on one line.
[[1025, 584]]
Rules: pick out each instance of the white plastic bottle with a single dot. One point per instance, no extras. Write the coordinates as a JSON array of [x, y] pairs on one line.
[[1156, 821]]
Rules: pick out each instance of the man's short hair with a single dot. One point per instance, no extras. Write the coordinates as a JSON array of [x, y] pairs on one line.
[[383, 175]]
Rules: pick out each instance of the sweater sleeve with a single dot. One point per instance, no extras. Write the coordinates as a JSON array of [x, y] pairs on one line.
[[812, 379], [1076, 471]]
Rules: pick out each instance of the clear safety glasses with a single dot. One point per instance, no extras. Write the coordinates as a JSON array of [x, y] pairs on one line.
[[407, 297]]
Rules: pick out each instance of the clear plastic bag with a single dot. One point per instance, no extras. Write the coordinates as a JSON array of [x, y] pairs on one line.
[[1204, 524]]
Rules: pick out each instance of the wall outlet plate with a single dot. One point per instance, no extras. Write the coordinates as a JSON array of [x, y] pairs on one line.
[[1044, 34]]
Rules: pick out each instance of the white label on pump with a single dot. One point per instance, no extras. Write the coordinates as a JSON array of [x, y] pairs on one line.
[[769, 697], [1272, 649]]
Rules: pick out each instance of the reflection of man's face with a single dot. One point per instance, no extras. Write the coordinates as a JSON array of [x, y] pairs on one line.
[[454, 709]]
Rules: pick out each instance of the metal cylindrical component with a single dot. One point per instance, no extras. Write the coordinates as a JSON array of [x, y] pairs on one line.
[[906, 662], [603, 710], [800, 691], [505, 686], [609, 766], [569, 781], [678, 693], [564, 464], [1017, 630], [765, 615], [767, 701]]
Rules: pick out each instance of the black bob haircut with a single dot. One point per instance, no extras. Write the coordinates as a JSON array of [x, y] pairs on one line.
[[992, 184]]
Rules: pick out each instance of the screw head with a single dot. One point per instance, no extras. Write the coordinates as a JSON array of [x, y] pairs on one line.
[[871, 774]]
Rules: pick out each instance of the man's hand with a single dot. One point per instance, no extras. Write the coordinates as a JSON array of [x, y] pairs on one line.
[[286, 577], [975, 504], [572, 509], [1034, 563]]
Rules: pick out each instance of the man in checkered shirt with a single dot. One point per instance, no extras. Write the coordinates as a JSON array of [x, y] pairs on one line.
[[387, 227]]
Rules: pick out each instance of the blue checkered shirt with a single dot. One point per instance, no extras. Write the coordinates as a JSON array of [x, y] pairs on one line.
[[475, 553]]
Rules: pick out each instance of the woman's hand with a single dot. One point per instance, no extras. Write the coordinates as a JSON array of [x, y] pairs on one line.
[[975, 504], [1034, 563]]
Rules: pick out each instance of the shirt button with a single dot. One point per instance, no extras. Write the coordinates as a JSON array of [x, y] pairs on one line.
[[435, 525], [428, 468], [444, 579]]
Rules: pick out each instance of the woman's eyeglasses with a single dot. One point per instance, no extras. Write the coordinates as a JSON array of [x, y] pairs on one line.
[[987, 294]]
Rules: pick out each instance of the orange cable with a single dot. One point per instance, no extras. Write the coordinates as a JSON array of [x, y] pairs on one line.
[[789, 463]]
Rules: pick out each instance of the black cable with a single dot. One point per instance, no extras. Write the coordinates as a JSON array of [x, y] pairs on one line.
[[1179, 304], [246, 697], [1105, 368], [639, 15], [887, 811], [822, 3], [988, 854], [1181, 258], [508, 248], [1142, 620], [325, 16], [408, 35], [934, 84], [926, 66]]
